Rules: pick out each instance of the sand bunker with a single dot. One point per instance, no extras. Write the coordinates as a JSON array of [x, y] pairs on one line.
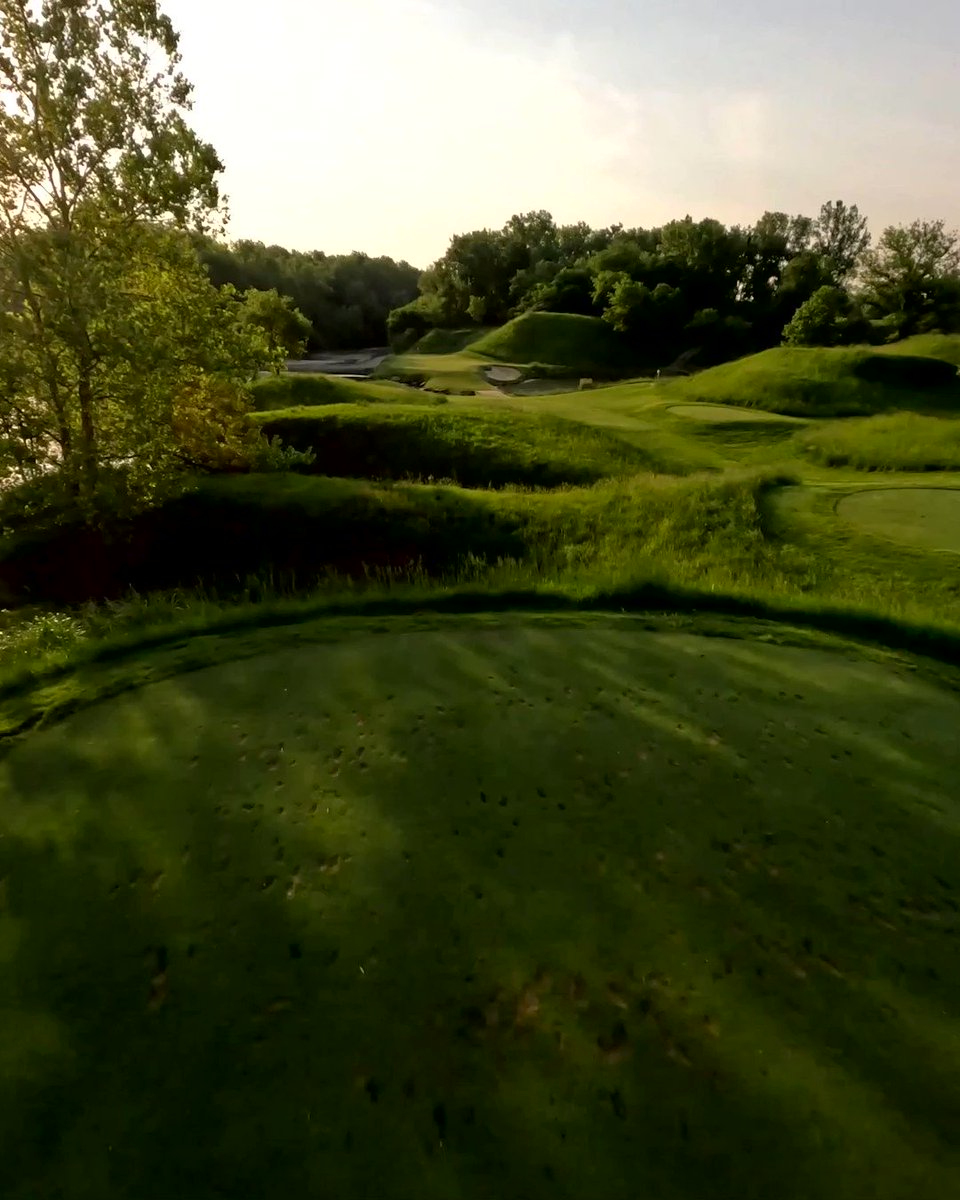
[[503, 374]]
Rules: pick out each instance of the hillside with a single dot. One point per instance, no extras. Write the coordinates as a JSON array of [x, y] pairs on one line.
[[815, 382], [930, 345], [583, 345]]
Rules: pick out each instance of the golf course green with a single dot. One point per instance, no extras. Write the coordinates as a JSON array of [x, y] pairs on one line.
[[528, 907]]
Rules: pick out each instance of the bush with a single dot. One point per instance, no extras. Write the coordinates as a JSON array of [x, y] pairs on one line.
[[406, 325]]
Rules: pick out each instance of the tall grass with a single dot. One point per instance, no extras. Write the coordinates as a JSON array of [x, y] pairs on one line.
[[471, 447], [899, 442]]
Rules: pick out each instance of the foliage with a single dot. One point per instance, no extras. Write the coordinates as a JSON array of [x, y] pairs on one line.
[[912, 278], [828, 318], [407, 325], [286, 328], [345, 298], [898, 442], [114, 349], [650, 284]]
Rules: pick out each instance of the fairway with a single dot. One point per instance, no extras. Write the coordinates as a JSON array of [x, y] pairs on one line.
[[720, 414], [924, 517], [555, 908]]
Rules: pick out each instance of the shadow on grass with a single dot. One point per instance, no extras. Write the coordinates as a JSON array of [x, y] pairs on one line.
[[521, 912]]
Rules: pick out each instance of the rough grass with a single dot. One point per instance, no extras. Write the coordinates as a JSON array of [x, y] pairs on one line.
[[472, 447], [300, 389], [353, 909], [584, 345], [899, 442], [811, 383]]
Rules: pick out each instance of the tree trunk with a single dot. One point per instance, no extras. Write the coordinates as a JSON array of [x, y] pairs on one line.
[[87, 450]]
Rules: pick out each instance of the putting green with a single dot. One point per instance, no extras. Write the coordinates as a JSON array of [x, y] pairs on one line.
[[538, 911], [926, 517], [719, 414]]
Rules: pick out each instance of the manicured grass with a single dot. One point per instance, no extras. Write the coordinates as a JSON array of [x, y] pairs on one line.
[[719, 414], [475, 447], [584, 345], [812, 383], [294, 388], [459, 373], [925, 517], [900, 442], [523, 909]]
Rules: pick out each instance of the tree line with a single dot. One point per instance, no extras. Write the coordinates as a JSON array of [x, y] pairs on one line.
[[700, 285], [345, 298]]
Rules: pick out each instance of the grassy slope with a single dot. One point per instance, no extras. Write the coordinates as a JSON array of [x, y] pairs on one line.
[[843, 382], [398, 938], [293, 389], [475, 447], [930, 345], [900, 442], [584, 345], [448, 341]]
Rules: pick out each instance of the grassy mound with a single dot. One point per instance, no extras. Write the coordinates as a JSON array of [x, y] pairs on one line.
[[473, 447], [929, 345], [353, 919], [721, 414], [899, 442], [301, 389], [287, 529], [841, 382], [925, 517], [447, 341], [584, 345]]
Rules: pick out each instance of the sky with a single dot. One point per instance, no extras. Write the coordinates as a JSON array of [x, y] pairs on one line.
[[390, 125]]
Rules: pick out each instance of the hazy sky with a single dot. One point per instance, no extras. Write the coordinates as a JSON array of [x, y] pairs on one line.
[[388, 125]]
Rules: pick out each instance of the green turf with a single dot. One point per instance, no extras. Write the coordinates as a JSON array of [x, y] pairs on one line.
[[899, 442], [584, 345], [924, 517], [537, 910], [448, 341], [719, 414], [814, 382], [455, 373], [475, 447], [296, 388], [930, 345]]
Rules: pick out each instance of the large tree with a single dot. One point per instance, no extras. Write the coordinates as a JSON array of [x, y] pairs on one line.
[[840, 237], [912, 277], [114, 342]]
